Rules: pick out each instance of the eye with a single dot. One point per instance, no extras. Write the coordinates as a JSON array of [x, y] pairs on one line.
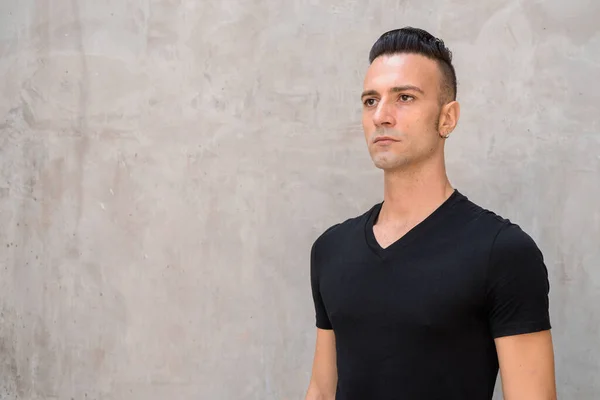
[[369, 102], [406, 98]]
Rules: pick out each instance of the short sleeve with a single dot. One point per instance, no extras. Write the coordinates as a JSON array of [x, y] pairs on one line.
[[517, 285], [322, 319]]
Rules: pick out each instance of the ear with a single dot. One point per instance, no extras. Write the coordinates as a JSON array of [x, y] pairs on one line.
[[448, 118]]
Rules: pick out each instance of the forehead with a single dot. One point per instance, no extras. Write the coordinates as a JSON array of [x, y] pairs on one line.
[[388, 71]]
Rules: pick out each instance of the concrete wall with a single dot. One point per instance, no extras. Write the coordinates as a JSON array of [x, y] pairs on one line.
[[166, 165]]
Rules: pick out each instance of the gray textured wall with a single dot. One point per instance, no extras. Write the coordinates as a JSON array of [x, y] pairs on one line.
[[166, 165]]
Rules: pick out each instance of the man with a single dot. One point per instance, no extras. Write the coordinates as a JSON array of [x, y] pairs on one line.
[[426, 295]]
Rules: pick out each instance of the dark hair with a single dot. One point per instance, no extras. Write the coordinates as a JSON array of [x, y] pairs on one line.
[[417, 41]]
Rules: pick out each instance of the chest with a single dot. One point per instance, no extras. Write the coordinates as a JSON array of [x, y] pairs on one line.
[[427, 291]]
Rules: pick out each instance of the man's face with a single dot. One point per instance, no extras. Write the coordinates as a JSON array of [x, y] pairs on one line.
[[401, 102]]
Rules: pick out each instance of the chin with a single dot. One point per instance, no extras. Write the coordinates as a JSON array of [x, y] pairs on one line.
[[390, 163]]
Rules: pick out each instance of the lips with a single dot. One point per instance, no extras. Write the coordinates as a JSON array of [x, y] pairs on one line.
[[384, 139]]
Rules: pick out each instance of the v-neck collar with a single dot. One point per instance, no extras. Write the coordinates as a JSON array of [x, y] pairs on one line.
[[415, 232]]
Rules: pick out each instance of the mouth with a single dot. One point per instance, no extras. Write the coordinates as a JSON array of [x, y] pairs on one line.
[[385, 140]]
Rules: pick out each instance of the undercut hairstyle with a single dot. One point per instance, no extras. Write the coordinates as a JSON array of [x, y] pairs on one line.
[[410, 40]]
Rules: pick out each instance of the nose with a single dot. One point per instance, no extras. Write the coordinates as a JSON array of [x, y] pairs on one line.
[[383, 115]]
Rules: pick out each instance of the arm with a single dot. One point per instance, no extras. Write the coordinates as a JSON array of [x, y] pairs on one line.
[[527, 366], [324, 371], [323, 381], [518, 307]]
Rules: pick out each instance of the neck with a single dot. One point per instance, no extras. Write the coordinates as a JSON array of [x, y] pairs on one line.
[[411, 195]]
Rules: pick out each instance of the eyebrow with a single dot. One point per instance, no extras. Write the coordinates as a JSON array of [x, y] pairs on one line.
[[395, 89]]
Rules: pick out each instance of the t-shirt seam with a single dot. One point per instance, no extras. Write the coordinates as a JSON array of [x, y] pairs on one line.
[[490, 255]]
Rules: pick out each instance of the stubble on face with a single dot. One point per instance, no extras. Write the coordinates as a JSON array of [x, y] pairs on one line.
[[388, 157], [406, 151], [413, 123]]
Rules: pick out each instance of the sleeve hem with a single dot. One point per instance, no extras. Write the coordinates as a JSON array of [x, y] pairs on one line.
[[522, 328], [324, 326]]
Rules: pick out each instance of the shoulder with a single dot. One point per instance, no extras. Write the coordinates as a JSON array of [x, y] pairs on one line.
[[491, 224], [507, 235], [512, 255], [339, 232], [502, 236], [482, 217], [512, 242]]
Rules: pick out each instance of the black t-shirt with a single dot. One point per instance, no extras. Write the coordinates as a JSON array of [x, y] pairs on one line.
[[417, 320]]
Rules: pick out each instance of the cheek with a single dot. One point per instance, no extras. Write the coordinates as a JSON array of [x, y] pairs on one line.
[[420, 131], [409, 117], [423, 121]]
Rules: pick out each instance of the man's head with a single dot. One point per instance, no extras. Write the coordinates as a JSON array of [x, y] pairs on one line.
[[409, 97]]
